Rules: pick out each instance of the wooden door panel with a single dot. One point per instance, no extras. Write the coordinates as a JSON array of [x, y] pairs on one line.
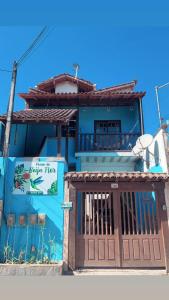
[[141, 240], [96, 237]]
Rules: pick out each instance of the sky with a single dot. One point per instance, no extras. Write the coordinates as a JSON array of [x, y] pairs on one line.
[[107, 54]]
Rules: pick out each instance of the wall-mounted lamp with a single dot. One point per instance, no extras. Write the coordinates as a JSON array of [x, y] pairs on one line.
[[32, 219], [22, 220], [41, 219], [10, 220]]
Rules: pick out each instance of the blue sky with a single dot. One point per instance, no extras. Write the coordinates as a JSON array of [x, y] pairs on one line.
[[107, 55]]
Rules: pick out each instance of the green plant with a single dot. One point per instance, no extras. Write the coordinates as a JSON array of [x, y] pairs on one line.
[[7, 253], [53, 188], [21, 257]]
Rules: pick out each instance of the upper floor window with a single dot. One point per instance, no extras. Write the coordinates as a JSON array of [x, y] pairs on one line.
[[107, 127]]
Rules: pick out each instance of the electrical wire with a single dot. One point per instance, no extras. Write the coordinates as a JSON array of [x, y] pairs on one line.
[[31, 47], [4, 70], [40, 38], [40, 42]]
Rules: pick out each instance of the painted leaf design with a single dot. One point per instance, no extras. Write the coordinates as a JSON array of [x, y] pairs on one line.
[[19, 169], [53, 188]]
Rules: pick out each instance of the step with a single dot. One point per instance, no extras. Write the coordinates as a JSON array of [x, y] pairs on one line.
[[121, 272]]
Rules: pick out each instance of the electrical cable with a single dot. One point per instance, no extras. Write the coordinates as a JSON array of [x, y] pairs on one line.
[[30, 48], [4, 70], [40, 43]]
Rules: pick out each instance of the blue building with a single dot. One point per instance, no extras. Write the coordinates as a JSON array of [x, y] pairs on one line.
[[71, 188]]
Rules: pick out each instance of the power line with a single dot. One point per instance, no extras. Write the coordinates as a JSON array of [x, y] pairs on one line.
[[42, 40], [13, 85], [41, 37], [4, 70], [30, 48]]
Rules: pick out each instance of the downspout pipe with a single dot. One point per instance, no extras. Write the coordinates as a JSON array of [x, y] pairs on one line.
[[141, 116]]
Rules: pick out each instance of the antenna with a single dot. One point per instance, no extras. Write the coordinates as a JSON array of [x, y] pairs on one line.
[[76, 67], [144, 141]]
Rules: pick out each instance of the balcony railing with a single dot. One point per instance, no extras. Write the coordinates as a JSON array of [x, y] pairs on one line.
[[107, 142]]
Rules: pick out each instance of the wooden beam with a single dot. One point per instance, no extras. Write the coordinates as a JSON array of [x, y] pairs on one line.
[[72, 229], [26, 136], [66, 230], [67, 144], [162, 208], [59, 140], [77, 132]]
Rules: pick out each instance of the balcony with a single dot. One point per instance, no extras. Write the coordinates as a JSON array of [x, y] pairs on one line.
[[107, 142]]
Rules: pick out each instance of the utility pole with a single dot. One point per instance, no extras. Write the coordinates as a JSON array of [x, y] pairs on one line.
[[158, 105], [157, 87], [10, 111]]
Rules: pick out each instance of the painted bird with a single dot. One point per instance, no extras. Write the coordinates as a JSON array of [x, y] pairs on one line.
[[36, 182]]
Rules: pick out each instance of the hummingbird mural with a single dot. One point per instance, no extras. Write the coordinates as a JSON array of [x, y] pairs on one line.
[[36, 182]]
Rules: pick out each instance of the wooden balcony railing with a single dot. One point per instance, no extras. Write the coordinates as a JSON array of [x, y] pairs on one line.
[[106, 142]]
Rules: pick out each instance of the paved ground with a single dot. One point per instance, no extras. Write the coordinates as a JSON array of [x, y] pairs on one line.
[[84, 287]]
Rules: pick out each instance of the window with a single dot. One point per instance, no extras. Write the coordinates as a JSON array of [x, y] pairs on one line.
[[70, 129], [107, 127], [107, 135]]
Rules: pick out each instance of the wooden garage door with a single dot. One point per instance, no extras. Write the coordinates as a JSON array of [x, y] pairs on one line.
[[141, 242], [118, 229]]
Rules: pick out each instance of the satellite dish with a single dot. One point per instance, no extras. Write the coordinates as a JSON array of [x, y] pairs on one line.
[[144, 141], [137, 150]]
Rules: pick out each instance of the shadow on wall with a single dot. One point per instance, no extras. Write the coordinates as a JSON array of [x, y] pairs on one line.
[[153, 161], [32, 225], [156, 153]]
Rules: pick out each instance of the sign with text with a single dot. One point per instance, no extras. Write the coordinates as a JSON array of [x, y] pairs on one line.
[[39, 178], [114, 185]]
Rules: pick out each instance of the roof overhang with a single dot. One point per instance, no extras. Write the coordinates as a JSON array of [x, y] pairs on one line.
[[54, 116], [82, 99], [115, 176]]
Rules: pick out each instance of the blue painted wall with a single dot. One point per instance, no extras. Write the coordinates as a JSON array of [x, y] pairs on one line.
[[129, 117], [36, 133], [26, 140], [47, 240], [50, 148], [17, 140]]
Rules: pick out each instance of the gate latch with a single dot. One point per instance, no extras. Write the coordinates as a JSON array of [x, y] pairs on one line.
[[67, 205]]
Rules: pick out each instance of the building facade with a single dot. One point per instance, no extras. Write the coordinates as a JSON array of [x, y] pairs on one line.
[[71, 188]]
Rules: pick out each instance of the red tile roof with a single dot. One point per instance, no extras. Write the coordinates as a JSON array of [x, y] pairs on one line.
[[45, 95], [51, 82], [115, 176], [124, 87], [41, 115], [45, 91]]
